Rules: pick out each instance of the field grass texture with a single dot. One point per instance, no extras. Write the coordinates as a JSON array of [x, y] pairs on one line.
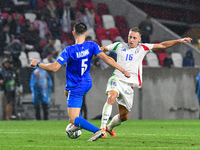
[[132, 134]]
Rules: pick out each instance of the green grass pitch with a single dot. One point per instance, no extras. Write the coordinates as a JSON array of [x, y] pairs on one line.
[[132, 134]]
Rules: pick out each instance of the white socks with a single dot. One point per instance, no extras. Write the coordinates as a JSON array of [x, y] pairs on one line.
[[114, 122], [106, 112]]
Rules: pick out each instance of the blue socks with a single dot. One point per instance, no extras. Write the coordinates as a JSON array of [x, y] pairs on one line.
[[84, 124]]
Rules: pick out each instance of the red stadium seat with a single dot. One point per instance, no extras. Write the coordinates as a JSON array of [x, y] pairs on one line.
[[79, 3], [124, 33], [4, 15], [113, 33], [90, 5], [43, 43], [64, 36], [102, 9], [98, 20], [21, 21], [41, 5], [161, 57], [101, 34], [120, 22]]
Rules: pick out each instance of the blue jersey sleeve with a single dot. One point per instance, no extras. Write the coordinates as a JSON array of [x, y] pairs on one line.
[[63, 56], [97, 49]]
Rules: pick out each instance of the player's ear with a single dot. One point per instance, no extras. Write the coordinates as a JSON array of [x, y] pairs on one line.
[[73, 33], [140, 39], [86, 33]]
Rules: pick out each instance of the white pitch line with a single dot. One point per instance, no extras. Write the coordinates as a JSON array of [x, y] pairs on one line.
[[111, 147], [164, 134]]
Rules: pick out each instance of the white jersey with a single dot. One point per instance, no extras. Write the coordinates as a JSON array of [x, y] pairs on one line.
[[131, 60]]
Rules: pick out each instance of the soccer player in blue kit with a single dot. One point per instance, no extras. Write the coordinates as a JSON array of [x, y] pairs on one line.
[[78, 79]]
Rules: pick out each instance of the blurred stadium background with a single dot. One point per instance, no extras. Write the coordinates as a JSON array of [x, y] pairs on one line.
[[166, 93]]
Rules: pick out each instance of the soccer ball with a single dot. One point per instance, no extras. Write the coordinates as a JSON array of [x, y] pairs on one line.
[[72, 135]]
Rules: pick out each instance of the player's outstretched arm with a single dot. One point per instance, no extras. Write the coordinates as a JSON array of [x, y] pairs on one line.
[[49, 67], [167, 44], [110, 61]]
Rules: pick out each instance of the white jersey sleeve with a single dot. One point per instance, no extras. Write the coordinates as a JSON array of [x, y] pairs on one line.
[[113, 47]]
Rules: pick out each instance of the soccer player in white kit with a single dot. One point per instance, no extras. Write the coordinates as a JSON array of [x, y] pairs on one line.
[[130, 56]]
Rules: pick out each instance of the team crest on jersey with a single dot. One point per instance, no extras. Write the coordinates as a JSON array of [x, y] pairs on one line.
[[113, 83]]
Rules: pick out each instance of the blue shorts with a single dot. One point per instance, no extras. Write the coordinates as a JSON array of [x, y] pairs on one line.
[[75, 95]]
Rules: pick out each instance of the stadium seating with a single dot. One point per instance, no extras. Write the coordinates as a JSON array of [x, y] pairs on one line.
[[124, 33], [194, 2], [177, 9], [64, 36], [79, 3], [102, 9], [98, 20], [41, 5], [120, 22], [161, 57], [21, 21], [92, 34], [108, 21], [30, 16], [90, 5], [152, 60], [4, 15], [106, 42], [177, 59], [57, 45], [101, 34], [24, 60], [113, 33], [43, 43], [34, 54]]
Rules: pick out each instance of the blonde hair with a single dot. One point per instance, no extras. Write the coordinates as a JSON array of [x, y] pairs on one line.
[[135, 30]]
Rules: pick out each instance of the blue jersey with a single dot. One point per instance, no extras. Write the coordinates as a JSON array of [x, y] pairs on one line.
[[78, 58]]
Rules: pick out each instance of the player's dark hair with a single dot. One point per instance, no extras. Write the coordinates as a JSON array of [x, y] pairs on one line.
[[135, 30], [80, 28]]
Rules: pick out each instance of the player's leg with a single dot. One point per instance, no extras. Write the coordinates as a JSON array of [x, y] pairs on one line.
[[9, 106], [117, 119], [107, 108], [45, 108], [37, 112], [74, 103], [81, 123], [9, 109], [125, 102]]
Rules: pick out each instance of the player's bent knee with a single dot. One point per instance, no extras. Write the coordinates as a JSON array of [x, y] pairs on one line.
[[66, 93], [111, 99]]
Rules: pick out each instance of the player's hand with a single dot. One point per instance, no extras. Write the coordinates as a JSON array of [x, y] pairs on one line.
[[104, 49], [186, 39], [127, 74], [33, 62]]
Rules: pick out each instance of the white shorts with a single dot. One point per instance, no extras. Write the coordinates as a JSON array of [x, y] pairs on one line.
[[125, 92]]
